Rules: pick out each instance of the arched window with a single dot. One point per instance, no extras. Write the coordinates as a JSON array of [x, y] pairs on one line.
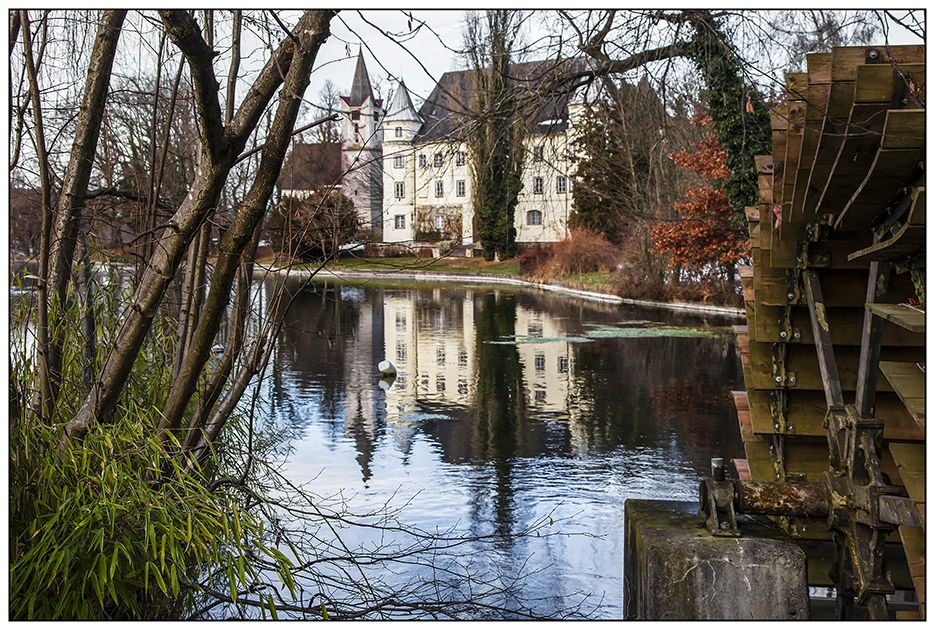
[[534, 217]]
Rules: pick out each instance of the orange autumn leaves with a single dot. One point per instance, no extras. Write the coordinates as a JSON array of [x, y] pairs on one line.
[[706, 232]]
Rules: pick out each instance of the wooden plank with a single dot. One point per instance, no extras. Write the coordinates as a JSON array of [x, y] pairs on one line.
[[820, 554], [806, 410], [819, 67], [796, 128], [743, 416], [743, 470], [914, 544], [910, 237], [908, 615], [834, 128], [838, 285], [816, 104], [904, 129], [910, 460], [802, 361], [887, 174], [808, 458], [908, 381], [856, 153], [903, 315], [874, 83], [846, 324]]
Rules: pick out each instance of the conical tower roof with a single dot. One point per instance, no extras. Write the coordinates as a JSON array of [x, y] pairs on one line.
[[360, 89], [401, 108]]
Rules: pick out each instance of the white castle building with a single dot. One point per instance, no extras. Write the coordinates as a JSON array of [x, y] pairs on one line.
[[408, 170]]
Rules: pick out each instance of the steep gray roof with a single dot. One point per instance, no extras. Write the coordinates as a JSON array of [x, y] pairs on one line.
[[360, 89], [445, 110], [401, 108]]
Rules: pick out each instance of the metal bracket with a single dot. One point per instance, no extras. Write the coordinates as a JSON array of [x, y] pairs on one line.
[[779, 410], [717, 507]]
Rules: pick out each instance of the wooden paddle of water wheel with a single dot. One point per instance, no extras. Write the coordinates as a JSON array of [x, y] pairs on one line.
[[833, 416]]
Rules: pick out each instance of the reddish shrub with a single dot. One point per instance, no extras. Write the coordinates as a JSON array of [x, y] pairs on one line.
[[583, 252], [533, 261]]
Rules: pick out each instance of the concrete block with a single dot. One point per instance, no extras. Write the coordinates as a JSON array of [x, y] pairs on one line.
[[674, 569]]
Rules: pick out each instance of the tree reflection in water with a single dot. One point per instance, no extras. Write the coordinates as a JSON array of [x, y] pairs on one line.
[[508, 407]]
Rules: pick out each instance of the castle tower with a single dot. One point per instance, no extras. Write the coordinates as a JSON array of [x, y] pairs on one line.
[[362, 148], [400, 126]]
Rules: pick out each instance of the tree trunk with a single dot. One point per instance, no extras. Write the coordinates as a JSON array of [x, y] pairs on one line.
[[221, 148], [309, 36], [75, 184], [45, 390]]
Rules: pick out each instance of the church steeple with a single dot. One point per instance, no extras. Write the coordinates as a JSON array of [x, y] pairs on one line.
[[360, 88]]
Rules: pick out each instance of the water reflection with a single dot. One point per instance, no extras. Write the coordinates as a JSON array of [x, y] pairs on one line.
[[507, 406]]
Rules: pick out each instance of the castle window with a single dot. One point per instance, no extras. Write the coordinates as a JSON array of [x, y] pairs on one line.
[[540, 362], [459, 188], [537, 185], [399, 161], [439, 189], [560, 184], [400, 190], [421, 159], [459, 159], [355, 115], [537, 154], [534, 217], [439, 222], [400, 222], [399, 132], [438, 159]]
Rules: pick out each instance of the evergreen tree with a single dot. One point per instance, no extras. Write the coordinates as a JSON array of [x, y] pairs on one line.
[[495, 137], [741, 119]]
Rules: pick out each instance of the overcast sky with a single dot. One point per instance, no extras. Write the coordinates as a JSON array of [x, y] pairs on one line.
[[383, 56]]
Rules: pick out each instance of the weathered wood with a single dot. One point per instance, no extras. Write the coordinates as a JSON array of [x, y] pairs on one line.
[[909, 239], [871, 340], [743, 470], [914, 544], [904, 129], [821, 331], [905, 316], [908, 381], [845, 322], [842, 287], [802, 361], [806, 410], [807, 458], [910, 458], [884, 178]]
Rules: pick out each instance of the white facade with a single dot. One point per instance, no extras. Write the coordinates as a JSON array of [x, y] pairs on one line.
[[427, 186]]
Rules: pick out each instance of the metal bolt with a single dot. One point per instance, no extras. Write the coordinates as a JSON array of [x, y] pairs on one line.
[[783, 334], [779, 379], [792, 380], [873, 54], [797, 335], [792, 296]]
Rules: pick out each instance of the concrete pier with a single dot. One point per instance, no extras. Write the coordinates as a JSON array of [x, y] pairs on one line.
[[674, 569]]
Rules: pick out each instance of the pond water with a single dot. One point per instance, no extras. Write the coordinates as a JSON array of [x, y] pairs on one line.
[[509, 407]]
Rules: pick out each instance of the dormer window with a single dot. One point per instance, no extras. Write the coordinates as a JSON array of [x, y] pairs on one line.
[[355, 115]]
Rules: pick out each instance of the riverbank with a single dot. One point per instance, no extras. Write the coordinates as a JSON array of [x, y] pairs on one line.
[[596, 292]]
